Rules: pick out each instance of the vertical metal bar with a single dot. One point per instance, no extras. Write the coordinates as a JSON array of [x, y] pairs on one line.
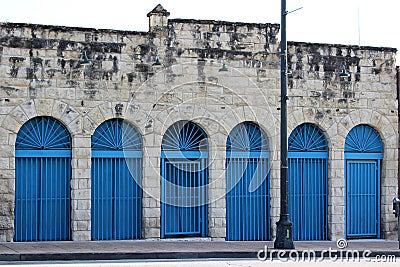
[[162, 219], [118, 174], [93, 197], [378, 191], [59, 200], [40, 196]]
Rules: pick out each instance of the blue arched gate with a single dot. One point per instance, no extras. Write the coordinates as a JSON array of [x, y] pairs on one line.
[[308, 182], [247, 184], [363, 154], [42, 181], [116, 181], [184, 177]]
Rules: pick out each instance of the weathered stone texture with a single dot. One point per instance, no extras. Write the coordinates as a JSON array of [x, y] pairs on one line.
[[41, 75]]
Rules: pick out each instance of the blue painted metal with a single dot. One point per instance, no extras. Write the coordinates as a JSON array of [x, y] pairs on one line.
[[42, 181], [247, 182], [363, 154], [63, 153], [184, 177], [43, 133], [184, 154], [116, 135], [185, 136], [363, 139], [308, 182], [116, 181]]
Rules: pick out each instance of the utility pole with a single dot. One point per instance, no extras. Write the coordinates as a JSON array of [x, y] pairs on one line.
[[284, 229]]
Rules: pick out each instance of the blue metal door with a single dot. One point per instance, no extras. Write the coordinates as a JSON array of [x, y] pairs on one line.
[[247, 184], [184, 181], [116, 181], [308, 179], [363, 154], [42, 181]]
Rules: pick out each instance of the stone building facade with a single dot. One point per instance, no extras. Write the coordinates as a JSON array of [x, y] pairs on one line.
[[216, 74]]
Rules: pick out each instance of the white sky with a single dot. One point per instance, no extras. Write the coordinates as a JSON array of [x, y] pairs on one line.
[[354, 22]]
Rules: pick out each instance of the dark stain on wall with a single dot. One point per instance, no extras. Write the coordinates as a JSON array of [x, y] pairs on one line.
[[8, 89], [14, 68]]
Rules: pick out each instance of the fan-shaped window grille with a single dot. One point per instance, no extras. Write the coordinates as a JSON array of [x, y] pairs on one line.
[[363, 139], [185, 136], [43, 133], [116, 134], [247, 137], [307, 138]]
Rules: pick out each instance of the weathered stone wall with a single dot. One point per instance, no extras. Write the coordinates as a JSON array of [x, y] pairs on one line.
[[40, 75], [338, 104]]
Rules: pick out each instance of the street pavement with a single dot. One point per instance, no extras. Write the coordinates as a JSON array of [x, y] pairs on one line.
[[183, 249], [206, 263]]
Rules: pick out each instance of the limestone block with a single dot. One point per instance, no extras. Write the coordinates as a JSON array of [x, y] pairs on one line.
[[152, 223], [82, 141], [58, 108], [9, 123], [44, 107], [216, 193], [81, 215], [4, 186], [5, 222], [151, 212], [336, 209], [81, 235], [4, 163], [106, 110], [152, 232], [88, 125], [82, 225], [84, 183], [70, 114], [218, 213], [83, 204], [151, 182], [4, 139], [81, 193], [217, 232]]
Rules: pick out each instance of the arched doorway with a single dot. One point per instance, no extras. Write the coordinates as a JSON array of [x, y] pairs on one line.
[[42, 181], [247, 183], [116, 181], [184, 178], [363, 155], [308, 182]]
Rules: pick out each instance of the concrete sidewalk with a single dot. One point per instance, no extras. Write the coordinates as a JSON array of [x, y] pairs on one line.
[[143, 249]]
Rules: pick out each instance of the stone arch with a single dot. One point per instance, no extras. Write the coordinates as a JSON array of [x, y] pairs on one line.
[[372, 118], [323, 125], [105, 111], [59, 110]]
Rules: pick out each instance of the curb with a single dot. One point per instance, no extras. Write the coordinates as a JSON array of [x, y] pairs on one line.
[[123, 256]]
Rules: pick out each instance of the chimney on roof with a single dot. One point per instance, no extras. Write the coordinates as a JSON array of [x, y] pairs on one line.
[[158, 18]]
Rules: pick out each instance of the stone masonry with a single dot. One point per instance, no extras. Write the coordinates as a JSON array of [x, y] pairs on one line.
[[41, 75]]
